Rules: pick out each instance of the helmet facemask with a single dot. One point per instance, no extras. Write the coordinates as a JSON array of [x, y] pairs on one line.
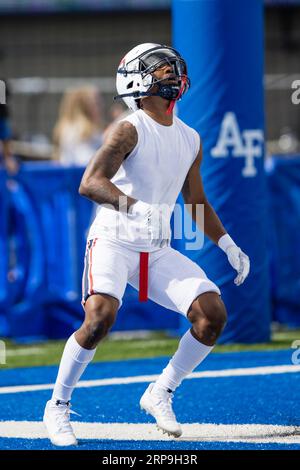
[[155, 59]]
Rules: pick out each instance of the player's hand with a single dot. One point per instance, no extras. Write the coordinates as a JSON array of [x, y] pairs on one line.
[[156, 218], [239, 261], [159, 226]]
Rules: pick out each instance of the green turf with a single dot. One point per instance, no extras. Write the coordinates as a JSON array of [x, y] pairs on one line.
[[157, 344]]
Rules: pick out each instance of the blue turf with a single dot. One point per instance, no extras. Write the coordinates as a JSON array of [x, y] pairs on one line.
[[45, 444], [269, 399], [259, 399], [132, 367]]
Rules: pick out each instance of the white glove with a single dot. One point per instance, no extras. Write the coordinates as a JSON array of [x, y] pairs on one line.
[[236, 257], [157, 221]]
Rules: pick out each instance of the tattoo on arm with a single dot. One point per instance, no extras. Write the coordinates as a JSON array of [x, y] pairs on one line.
[[120, 142], [96, 184]]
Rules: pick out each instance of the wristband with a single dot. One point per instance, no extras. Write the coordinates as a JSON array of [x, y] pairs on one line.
[[225, 242]]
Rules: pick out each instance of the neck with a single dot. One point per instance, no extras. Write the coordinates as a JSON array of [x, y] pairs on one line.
[[156, 107]]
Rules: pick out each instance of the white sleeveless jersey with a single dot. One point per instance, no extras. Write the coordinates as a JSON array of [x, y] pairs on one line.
[[153, 172]]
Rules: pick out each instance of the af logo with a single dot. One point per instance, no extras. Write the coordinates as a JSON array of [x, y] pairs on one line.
[[247, 144]]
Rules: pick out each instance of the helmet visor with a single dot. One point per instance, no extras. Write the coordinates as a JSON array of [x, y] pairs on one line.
[[156, 58]]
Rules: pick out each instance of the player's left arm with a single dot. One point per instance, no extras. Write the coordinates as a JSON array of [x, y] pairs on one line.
[[194, 195]]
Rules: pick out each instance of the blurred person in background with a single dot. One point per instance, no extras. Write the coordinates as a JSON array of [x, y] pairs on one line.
[[78, 132], [6, 157], [116, 111]]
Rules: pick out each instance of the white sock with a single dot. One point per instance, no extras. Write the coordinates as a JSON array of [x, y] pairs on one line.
[[189, 355], [72, 365]]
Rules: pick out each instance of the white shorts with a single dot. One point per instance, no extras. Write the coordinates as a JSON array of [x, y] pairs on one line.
[[174, 280]]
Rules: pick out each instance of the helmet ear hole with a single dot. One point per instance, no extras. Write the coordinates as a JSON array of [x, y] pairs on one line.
[[130, 85]]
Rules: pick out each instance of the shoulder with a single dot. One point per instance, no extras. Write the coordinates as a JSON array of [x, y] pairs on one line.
[[122, 127], [134, 121], [193, 135], [122, 137], [134, 118], [190, 130]]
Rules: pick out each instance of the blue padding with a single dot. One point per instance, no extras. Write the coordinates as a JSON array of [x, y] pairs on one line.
[[5, 130], [223, 45], [4, 327], [43, 227], [284, 186], [46, 244]]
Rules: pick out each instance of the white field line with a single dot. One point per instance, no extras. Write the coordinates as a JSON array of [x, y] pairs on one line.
[[24, 352], [250, 433], [248, 371]]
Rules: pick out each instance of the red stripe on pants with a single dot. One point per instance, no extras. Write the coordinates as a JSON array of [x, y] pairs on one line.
[[143, 288]]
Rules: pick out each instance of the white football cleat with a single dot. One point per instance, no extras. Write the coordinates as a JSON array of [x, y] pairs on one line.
[[159, 405], [57, 421]]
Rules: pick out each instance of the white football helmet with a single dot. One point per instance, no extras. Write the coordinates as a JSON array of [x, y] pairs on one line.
[[135, 74]]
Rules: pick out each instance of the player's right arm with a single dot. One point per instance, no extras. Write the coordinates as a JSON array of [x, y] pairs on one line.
[[95, 183]]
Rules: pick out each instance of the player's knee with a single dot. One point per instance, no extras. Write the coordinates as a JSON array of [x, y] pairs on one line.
[[98, 328], [100, 319], [208, 317]]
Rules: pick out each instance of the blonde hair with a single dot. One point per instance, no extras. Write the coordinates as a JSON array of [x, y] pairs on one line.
[[78, 109]]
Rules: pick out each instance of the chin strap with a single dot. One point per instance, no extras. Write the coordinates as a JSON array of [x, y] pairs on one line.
[[167, 92], [171, 107], [136, 94], [172, 102]]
